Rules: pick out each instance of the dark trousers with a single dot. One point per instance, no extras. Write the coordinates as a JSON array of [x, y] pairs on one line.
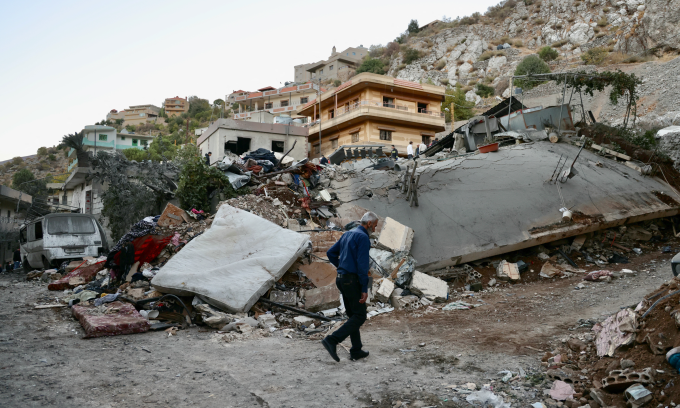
[[350, 288]]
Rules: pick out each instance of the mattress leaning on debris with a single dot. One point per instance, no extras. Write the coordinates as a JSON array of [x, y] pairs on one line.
[[234, 262]]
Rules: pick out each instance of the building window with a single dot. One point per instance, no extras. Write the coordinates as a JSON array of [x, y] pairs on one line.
[[334, 143], [284, 103], [103, 138], [268, 105], [422, 107], [330, 68], [317, 149], [141, 114], [388, 102], [355, 137], [122, 138], [277, 146], [304, 99], [385, 135], [354, 53], [134, 142], [331, 114], [321, 72], [426, 140]]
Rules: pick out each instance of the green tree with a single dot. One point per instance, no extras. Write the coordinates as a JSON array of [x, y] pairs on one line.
[[162, 148], [530, 65], [462, 109], [119, 122], [197, 105], [411, 54], [197, 181], [52, 157], [42, 151], [24, 180], [374, 65], [17, 161], [413, 27], [218, 102], [548, 53], [131, 128]]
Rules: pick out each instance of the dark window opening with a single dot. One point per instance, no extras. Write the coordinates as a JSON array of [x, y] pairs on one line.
[[239, 146], [426, 140], [268, 105], [304, 100], [331, 114], [422, 107], [284, 104], [388, 102], [277, 146]]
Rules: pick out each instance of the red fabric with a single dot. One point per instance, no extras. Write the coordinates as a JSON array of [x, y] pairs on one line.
[[118, 318], [147, 248], [255, 169], [88, 273]]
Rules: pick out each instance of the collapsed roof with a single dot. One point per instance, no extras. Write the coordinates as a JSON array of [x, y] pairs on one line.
[[476, 206]]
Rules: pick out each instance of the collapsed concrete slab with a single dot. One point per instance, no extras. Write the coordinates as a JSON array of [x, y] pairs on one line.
[[232, 264], [396, 236], [483, 205]]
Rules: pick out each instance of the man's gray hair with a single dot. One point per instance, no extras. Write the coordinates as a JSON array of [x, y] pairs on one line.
[[369, 217]]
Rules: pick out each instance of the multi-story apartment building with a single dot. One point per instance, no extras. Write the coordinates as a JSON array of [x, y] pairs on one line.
[[106, 138], [139, 114], [282, 101], [339, 65], [175, 106], [375, 109], [113, 115]]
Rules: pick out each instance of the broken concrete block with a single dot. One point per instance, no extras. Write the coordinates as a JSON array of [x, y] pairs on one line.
[[405, 302], [303, 321], [384, 290], [429, 286], [396, 236], [136, 294], [638, 234], [507, 271], [283, 297], [619, 380], [320, 273], [267, 320], [326, 297], [172, 215]]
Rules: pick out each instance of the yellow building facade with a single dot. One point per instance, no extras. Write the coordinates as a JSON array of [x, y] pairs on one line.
[[375, 109]]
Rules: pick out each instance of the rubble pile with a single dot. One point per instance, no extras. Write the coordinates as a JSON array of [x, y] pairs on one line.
[[628, 358]]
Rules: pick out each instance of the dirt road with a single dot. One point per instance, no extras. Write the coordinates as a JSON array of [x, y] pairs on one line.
[[44, 361]]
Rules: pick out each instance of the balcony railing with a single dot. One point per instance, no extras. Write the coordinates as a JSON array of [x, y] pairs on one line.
[[347, 109]]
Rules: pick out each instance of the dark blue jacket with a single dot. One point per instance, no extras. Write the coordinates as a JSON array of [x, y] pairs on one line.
[[350, 255]]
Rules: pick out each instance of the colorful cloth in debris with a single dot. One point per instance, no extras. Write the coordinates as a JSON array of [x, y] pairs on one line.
[[147, 248], [87, 273], [110, 319], [138, 230]]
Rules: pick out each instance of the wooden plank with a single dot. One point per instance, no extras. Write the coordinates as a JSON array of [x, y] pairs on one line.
[[610, 151], [49, 306], [393, 275]]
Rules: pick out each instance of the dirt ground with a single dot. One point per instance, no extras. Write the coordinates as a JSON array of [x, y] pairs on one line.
[[418, 358]]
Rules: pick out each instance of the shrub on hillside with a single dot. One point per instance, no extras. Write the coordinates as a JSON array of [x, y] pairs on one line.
[[411, 54], [530, 65], [484, 91], [559, 43], [440, 65], [602, 22], [547, 53], [42, 151], [594, 56], [488, 54], [390, 49]]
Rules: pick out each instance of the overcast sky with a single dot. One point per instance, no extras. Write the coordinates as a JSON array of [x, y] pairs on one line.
[[65, 64]]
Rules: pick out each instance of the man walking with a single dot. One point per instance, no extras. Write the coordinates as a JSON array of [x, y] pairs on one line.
[[409, 150], [394, 153], [207, 158], [350, 257]]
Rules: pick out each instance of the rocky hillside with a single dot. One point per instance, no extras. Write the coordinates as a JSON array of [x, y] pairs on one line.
[[635, 35]]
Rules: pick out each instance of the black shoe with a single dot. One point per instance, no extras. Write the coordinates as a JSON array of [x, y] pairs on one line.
[[359, 355], [331, 348]]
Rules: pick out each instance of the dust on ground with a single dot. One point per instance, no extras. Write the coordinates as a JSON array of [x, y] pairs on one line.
[[417, 358]]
